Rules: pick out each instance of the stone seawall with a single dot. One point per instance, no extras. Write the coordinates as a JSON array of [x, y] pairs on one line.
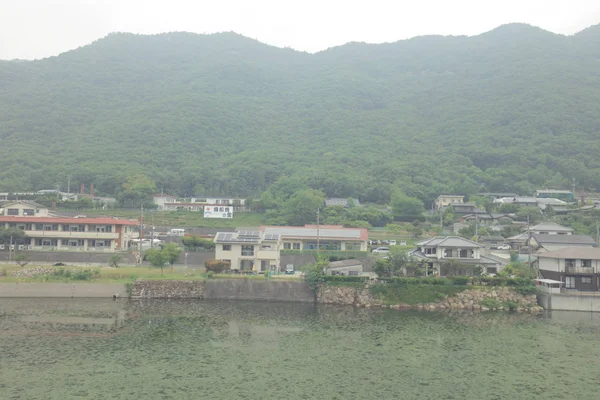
[[224, 289], [496, 298], [151, 289], [62, 290]]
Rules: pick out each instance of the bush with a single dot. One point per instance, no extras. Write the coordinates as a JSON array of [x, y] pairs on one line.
[[511, 305], [490, 303], [210, 275], [343, 278], [460, 280], [417, 281], [526, 290]]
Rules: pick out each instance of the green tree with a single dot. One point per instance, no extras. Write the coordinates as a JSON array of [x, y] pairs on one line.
[[157, 258], [405, 207], [301, 208], [114, 260], [136, 191], [21, 259], [18, 236], [171, 253]]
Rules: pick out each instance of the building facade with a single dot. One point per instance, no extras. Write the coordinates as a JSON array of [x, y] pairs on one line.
[[445, 200], [46, 232], [577, 267], [325, 237], [249, 250]]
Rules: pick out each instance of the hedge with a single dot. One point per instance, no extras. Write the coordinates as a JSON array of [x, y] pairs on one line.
[[450, 281]]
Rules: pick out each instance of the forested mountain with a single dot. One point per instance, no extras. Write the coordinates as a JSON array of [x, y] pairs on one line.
[[513, 109]]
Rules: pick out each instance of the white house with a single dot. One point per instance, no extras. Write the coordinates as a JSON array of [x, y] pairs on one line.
[[445, 200], [248, 250]]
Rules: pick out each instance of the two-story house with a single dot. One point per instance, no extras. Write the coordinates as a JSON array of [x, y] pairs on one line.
[[445, 200], [440, 250], [546, 242], [577, 267], [248, 250], [44, 231]]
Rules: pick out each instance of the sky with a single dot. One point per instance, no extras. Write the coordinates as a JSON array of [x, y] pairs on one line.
[[33, 29]]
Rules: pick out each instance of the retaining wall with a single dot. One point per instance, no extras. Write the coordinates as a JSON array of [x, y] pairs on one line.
[[68, 290], [570, 301]]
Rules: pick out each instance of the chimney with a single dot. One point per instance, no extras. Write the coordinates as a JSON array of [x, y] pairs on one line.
[[92, 190], [82, 188]]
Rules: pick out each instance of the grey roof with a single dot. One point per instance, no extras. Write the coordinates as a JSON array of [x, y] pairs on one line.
[[491, 238], [550, 226], [449, 241], [345, 263], [481, 260], [340, 201], [30, 203], [521, 236], [324, 233], [251, 237], [586, 253], [564, 239]]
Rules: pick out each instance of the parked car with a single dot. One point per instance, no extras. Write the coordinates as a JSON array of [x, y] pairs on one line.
[[504, 247], [403, 243], [289, 269], [393, 243], [381, 251], [385, 242]]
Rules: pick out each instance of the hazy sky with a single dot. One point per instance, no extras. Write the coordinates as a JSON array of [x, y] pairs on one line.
[[40, 28]]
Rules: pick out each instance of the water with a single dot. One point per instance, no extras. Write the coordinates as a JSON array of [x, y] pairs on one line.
[[96, 349]]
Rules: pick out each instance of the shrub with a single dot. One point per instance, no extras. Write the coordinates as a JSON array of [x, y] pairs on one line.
[[343, 278], [460, 280], [526, 290], [210, 275], [511, 305], [490, 303]]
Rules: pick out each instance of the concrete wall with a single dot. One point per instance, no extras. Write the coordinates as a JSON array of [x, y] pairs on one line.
[[252, 289], [168, 289], [68, 290], [570, 301]]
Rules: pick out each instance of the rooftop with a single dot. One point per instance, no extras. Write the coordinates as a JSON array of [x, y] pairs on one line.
[[322, 232], [250, 237], [66, 220], [449, 241], [564, 239], [588, 253], [550, 226], [344, 263]]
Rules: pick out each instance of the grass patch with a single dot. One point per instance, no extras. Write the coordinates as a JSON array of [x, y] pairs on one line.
[[414, 294], [490, 303]]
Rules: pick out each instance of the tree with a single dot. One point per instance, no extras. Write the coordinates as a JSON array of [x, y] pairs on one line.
[[171, 253], [531, 214], [21, 259], [302, 207], [455, 268], [404, 207], [137, 190], [156, 258], [399, 264]]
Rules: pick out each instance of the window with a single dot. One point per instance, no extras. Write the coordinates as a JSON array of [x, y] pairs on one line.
[[586, 279], [569, 263], [28, 211], [569, 282], [226, 247], [248, 250], [586, 263], [464, 253], [287, 246], [264, 264], [296, 246], [447, 252], [12, 211]]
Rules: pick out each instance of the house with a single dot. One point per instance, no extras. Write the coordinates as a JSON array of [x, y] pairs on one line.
[[521, 201], [238, 204], [497, 195], [23, 208], [163, 201], [547, 242], [345, 267], [337, 201], [326, 237], [564, 195], [439, 250], [491, 242], [444, 200], [550, 228], [578, 267], [487, 219], [466, 208], [248, 250], [47, 232]]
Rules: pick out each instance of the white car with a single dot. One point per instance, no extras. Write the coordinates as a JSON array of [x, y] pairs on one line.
[[393, 243], [504, 247], [382, 251]]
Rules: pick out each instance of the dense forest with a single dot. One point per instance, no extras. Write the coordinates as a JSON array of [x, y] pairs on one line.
[[513, 109]]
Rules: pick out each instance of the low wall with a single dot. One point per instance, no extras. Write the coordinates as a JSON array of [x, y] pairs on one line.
[[252, 289], [570, 301], [151, 289], [75, 290], [469, 299]]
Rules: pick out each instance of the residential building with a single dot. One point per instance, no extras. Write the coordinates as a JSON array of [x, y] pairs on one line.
[[24, 208], [466, 208], [551, 228], [488, 219], [71, 234], [172, 203], [491, 242], [238, 204], [564, 195], [444, 200], [345, 267], [327, 237], [249, 250], [521, 201], [337, 201], [546, 242], [497, 195], [442, 249], [578, 267], [163, 201]]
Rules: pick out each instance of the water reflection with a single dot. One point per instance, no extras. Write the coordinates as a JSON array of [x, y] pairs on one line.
[[226, 350]]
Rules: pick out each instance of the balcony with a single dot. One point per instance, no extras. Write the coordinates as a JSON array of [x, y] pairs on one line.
[[580, 270], [71, 235]]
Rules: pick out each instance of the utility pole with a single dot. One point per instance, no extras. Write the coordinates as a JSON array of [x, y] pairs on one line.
[[10, 247], [529, 244], [68, 185], [318, 236], [476, 223], [141, 236], [597, 234]]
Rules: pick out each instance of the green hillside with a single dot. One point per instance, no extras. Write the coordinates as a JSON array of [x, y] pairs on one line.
[[513, 109]]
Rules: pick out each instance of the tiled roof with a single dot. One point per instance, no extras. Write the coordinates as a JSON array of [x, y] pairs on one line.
[[449, 241], [324, 232], [550, 226], [586, 253], [74, 221], [564, 239], [344, 263]]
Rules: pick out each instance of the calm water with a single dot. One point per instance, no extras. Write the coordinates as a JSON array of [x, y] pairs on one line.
[[96, 349]]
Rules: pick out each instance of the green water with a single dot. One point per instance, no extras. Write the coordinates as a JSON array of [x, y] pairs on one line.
[[96, 349]]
